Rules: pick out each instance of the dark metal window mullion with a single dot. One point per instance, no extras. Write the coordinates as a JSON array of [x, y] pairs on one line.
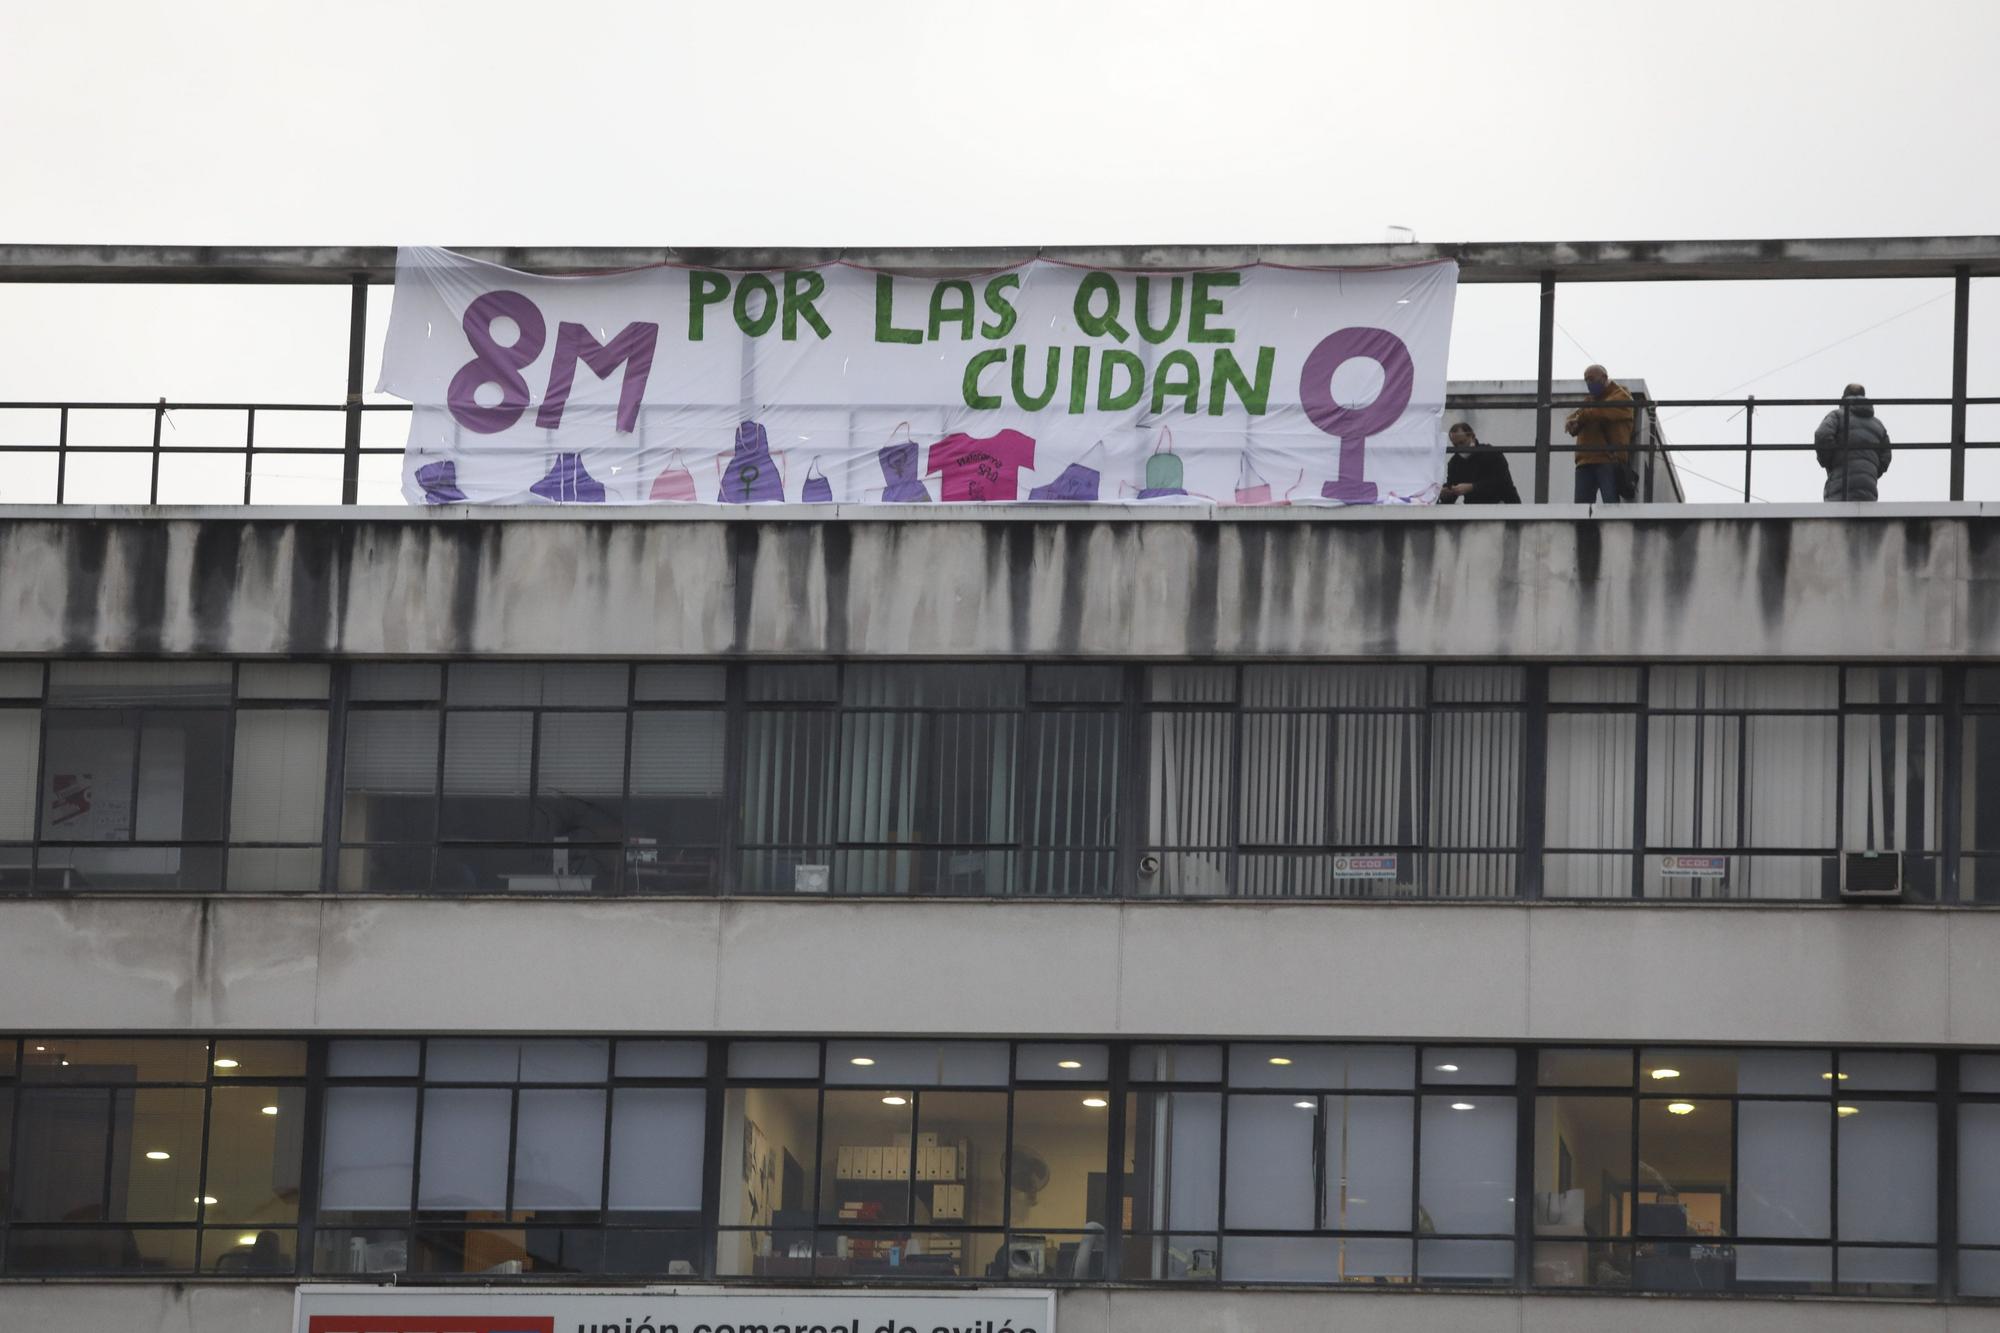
[[1531, 832], [417, 1145], [311, 1153], [1946, 1113], [735, 741], [228, 793], [1234, 795], [715, 1101], [333, 808], [1526, 1093], [1951, 785], [201, 1172], [1116, 1091], [1642, 744]]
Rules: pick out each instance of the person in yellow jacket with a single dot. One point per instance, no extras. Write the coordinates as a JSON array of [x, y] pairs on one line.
[[1603, 438]]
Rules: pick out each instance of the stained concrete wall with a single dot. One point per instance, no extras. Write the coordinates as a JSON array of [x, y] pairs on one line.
[[1506, 972], [1638, 582]]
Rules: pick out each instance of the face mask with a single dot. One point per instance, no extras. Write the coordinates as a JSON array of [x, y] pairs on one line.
[[1596, 390]]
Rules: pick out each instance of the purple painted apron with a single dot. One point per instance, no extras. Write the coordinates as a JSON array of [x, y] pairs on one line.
[[752, 476], [569, 483]]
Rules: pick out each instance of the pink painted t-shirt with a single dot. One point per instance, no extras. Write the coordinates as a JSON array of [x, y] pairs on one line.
[[981, 469]]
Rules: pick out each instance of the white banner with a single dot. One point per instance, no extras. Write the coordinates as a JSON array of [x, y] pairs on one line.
[[1043, 382], [356, 1309]]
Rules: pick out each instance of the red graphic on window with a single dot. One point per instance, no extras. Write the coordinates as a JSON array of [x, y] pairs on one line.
[[69, 798], [430, 1323]]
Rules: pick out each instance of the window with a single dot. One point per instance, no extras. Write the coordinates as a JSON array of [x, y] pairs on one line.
[[146, 1156], [512, 1155]]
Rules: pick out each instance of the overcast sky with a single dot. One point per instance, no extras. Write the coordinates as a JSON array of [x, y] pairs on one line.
[[1020, 124]]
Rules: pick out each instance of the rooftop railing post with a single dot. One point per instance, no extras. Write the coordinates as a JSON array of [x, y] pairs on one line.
[[1961, 313], [1749, 441], [1545, 361], [357, 340], [153, 488]]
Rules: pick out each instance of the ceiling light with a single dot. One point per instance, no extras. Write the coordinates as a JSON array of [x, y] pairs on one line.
[[269, 1110], [1847, 1110], [1680, 1108], [1307, 1106], [1447, 1069], [1831, 1076], [225, 1063], [157, 1156], [895, 1101], [207, 1199], [1280, 1060], [246, 1240], [1461, 1106], [65, 1064], [861, 1060], [1069, 1064], [41, 1048], [1666, 1073], [1095, 1102]]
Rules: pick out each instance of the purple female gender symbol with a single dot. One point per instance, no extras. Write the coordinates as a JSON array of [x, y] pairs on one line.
[[1353, 425]]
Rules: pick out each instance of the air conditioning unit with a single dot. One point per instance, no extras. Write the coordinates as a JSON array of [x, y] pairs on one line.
[[1871, 876]]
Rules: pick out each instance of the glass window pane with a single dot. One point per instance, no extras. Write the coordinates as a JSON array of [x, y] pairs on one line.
[[774, 1059], [770, 1157], [932, 684], [1593, 685], [865, 1157], [1467, 1165], [1491, 1065], [1191, 684], [1979, 1073], [278, 788], [371, 1059], [1888, 1172], [366, 1150], [1888, 1272], [20, 742], [504, 1060], [1300, 1066], [558, 1151], [1173, 1157], [580, 777], [1270, 1163], [234, 1250], [282, 680], [1685, 1070], [1891, 797], [1979, 1173], [1784, 1169], [1593, 766], [1475, 763], [678, 682], [1073, 1063], [389, 790], [1887, 1071], [20, 680], [59, 1144], [961, 1157], [124, 684], [1583, 1166], [238, 1058], [793, 682], [656, 1149], [464, 1150], [662, 1059], [113, 1060], [120, 775], [1176, 1064], [1585, 1067], [1368, 1165], [1685, 1177], [675, 810], [1480, 1261], [255, 1140], [393, 680], [1076, 684], [152, 1251], [1060, 1140], [486, 759], [155, 1154]]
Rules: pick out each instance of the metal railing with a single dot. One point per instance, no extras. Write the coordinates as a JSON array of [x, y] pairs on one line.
[[1959, 258]]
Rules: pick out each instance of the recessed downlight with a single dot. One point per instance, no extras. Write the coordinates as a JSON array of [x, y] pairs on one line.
[[205, 1199], [1666, 1073], [1462, 1106], [1069, 1064], [1680, 1108], [225, 1063], [268, 1110], [893, 1100], [1094, 1103], [158, 1156], [1446, 1069], [862, 1060], [1847, 1110], [1307, 1106], [1281, 1060]]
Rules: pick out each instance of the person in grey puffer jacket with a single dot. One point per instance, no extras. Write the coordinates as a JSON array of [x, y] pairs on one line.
[[1853, 447]]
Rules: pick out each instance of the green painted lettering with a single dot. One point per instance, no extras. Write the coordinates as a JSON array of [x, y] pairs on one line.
[[1079, 379], [1228, 374], [759, 324], [1022, 398], [974, 399], [1187, 388], [1142, 305], [959, 312], [885, 313], [997, 302], [1202, 306], [802, 288], [705, 288], [1092, 323], [1135, 384]]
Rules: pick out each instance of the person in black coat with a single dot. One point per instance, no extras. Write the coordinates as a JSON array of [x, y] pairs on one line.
[[1477, 473]]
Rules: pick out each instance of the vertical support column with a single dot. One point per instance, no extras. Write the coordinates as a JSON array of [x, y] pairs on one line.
[[1525, 1082], [159, 419], [1947, 1175], [1952, 782], [357, 339], [1116, 1089], [1534, 780], [1545, 362], [1961, 320]]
